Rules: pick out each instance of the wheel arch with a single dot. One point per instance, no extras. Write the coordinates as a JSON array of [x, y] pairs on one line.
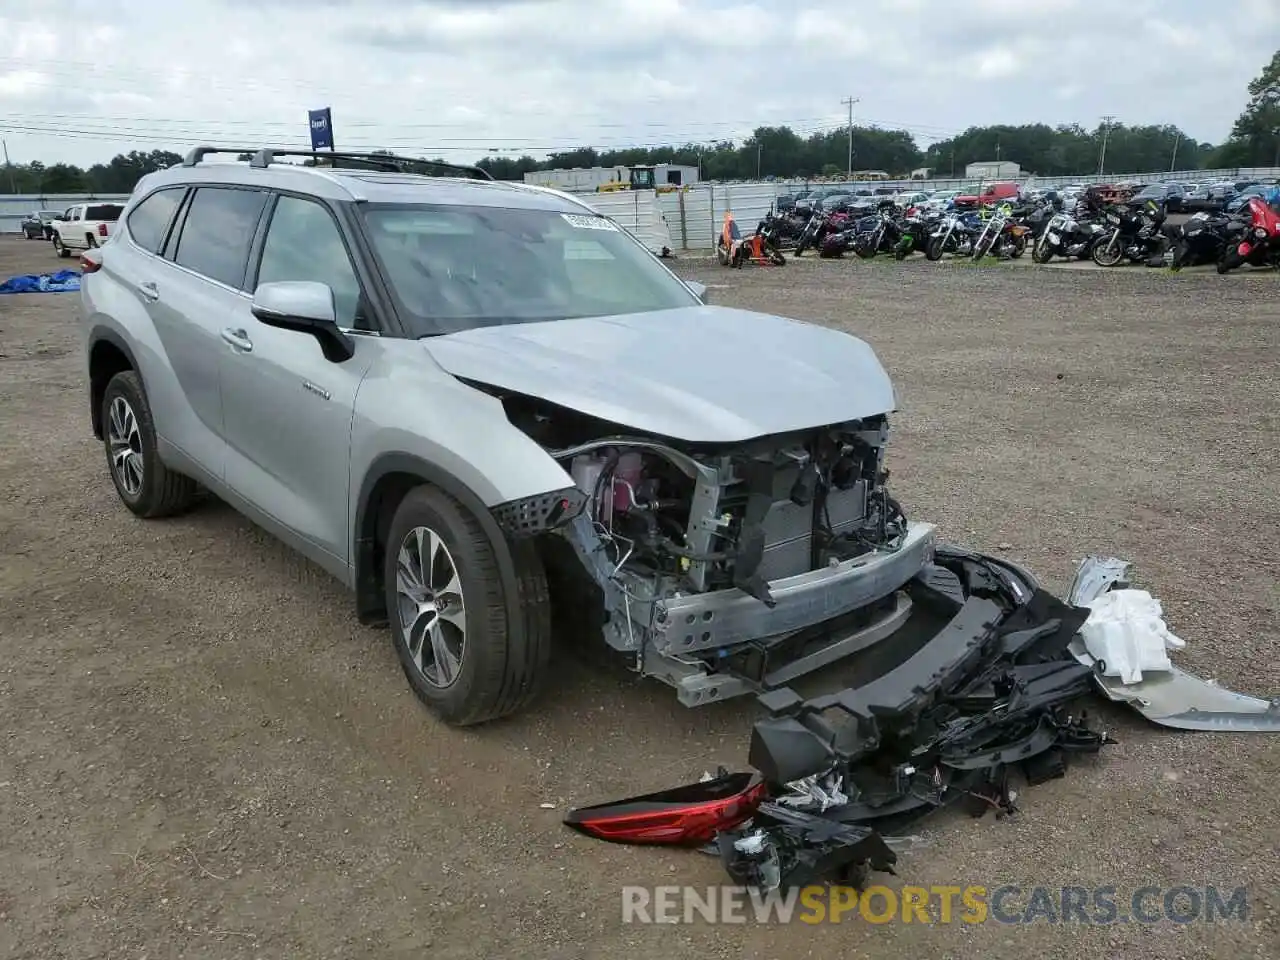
[[108, 354], [385, 483]]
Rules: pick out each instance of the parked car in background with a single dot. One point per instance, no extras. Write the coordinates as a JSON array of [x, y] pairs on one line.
[[1169, 194], [992, 193], [38, 224], [85, 225], [1208, 198]]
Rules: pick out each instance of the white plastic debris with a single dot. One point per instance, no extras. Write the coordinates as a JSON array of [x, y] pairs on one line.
[[1127, 634], [1095, 576], [820, 790]]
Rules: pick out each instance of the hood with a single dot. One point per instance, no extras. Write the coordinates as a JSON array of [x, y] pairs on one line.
[[700, 374]]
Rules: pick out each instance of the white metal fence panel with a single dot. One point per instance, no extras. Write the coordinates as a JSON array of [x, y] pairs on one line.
[[639, 212], [15, 206]]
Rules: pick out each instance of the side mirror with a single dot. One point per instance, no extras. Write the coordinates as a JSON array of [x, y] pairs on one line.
[[699, 290], [304, 306]]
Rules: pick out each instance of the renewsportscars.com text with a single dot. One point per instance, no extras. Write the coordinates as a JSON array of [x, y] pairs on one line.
[[1007, 904]]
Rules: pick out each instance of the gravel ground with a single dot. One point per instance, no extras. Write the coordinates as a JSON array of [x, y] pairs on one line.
[[204, 756]]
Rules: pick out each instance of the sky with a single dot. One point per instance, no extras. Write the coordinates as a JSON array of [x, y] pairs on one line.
[[83, 80]]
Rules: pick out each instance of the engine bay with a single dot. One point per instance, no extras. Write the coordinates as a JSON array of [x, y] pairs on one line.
[[708, 535]]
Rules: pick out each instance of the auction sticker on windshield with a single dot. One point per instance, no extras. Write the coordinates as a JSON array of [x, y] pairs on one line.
[[587, 222]]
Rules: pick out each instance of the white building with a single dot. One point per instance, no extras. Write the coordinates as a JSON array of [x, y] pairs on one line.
[[993, 170], [590, 179]]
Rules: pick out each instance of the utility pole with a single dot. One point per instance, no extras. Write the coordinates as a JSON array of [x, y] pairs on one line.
[[849, 102], [1107, 121], [13, 186], [759, 152], [1177, 139]]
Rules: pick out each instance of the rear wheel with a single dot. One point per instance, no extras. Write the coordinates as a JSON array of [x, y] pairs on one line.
[[1017, 247], [451, 617], [144, 483], [776, 257]]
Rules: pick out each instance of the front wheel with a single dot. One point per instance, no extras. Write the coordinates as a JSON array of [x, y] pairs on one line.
[[59, 247], [776, 257], [473, 644], [1042, 252], [934, 248], [1108, 251]]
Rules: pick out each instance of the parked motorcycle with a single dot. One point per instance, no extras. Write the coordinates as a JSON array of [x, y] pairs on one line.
[[1064, 236], [1001, 236], [733, 250], [1136, 236], [883, 237], [1203, 239], [1260, 244], [954, 233]]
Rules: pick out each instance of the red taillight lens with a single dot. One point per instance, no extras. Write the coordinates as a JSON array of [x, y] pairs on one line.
[[1244, 249], [88, 265], [102, 229], [688, 815]]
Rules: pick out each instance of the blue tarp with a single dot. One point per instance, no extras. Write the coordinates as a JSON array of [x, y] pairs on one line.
[[64, 281]]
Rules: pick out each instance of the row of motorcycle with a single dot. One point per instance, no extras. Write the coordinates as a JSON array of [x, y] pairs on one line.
[[1109, 236]]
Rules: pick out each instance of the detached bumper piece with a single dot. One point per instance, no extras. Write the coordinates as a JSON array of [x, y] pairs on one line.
[[987, 693]]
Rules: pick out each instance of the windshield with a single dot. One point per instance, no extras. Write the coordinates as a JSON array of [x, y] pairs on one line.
[[48, 214], [455, 268]]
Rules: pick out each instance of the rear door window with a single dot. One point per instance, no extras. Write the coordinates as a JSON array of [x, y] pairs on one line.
[[110, 212], [218, 231], [149, 220]]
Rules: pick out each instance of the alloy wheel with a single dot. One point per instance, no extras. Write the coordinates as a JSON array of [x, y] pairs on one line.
[[430, 606], [124, 439]]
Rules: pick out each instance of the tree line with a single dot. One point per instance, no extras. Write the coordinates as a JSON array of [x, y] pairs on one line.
[[1064, 150]]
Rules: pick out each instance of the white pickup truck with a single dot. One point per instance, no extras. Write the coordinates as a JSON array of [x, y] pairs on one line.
[[85, 225]]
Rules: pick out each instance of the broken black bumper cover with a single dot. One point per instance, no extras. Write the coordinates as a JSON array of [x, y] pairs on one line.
[[981, 693]]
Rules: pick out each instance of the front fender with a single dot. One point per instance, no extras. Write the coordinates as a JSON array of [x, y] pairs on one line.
[[409, 405]]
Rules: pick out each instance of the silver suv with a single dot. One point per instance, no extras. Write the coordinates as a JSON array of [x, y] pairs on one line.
[[487, 409]]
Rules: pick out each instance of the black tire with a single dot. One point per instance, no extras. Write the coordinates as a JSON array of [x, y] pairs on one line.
[[933, 249], [1042, 252], [90, 240], [59, 247], [501, 665], [776, 257], [1017, 247], [722, 254], [162, 492], [1100, 253], [866, 249]]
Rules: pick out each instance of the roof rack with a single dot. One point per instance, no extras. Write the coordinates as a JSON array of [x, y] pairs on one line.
[[264, 156]]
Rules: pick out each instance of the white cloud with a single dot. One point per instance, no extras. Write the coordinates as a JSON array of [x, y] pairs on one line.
[[458, 77]]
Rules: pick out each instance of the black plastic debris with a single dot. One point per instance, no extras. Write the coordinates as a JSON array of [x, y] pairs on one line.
[[987, 696], [782, 849]]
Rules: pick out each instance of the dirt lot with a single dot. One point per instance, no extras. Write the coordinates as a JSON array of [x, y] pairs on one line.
[[204, 756]]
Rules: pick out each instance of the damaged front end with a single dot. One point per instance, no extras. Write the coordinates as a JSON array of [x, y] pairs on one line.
[[729, 570]]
